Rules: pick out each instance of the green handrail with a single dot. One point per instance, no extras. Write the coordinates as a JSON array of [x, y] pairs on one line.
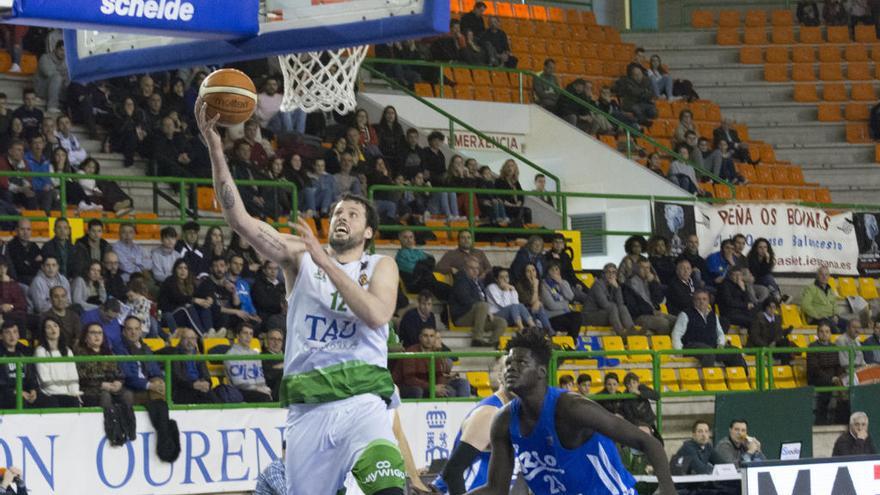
[[631, 132], [180, 181], [737, 5]]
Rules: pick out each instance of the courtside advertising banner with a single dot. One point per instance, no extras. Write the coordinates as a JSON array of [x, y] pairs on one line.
[[184, 18], [803, 239], [853, 476], [220, 451]]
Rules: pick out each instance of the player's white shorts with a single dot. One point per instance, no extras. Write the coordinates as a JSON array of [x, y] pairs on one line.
[[326, 441]]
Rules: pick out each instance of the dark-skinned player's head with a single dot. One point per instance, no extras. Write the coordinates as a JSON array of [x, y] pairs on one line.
[[353, 221], [528, 357]]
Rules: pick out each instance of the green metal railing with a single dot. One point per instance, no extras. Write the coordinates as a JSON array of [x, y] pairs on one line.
[[631, 133], [180, 182], [764, 379]]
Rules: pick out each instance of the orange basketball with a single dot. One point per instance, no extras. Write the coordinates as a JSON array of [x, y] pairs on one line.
[[229, 93]]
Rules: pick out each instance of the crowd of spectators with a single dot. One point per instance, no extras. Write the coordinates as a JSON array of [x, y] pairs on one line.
[[836, 13]]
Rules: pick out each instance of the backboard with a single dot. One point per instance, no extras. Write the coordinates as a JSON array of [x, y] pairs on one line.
[[286, 26]]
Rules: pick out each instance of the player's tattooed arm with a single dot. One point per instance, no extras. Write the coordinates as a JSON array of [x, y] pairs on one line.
[[227, 195]]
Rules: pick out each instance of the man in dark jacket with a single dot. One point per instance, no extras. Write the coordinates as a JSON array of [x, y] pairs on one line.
[[558, 253], [468, 306], [733, 299], [188, 247], [90, 247], [268, 293], [273, 370], [856, 440], [680, 291], [530, 254], [643, 294], [823, 370], [698, 263], [11, 347], [698, 327], [766, 330], [191, 379], [695, 453], [145, 379], [636, 95], [60, 248], [24, 253], [638, 410], [473, 20]]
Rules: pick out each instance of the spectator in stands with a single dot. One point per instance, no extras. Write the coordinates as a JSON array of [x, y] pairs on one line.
[[473, 20], [680, 292], [530, 254], [60, 310], [695, 157], [468, 306], [541, 187], [23, 253], [142, 305], [574, 112], [566, 382], [108, 316], [261, 150], [345, 181], [60, 247], [12, 348], [269, 114], [559, 253], [584, 381], [414, 374], [368, 137], [556, 298], [643, 294], [726, 132], [58, 381], [824, 370], [268, 292], [242, 285], [605, 305], [638, 409], [189, 249], [685, 124], [497, 45], [51, 78], [454, 260], [612, 384], [13, 475], [766, 330], [101, 382], [67, 140], [860, 13], [449, 48], [213, 247], [88, 289], [636, 95], [634, 246], [132, 257], [144, 379], [761, 262], [808, 13], [239, 246], [851, 339], [682, 173], [698, 263], [414, 320], [417, 268], [31, 117], [608, 104], [719, 262], [504, 302], [13, 305], [273, 370], [757, 293], [181, 306], [410, 158], [191, 379], [106, 193], [38, 161], [42, 283], [446, 203], [247, 376], [244, 169], [737, 447], [529, 293], [660, 79], [544, 86], [699, 328], [170, 151], [834, 13], [5, 115], [91, 247], [433, 160], [856, 440], [390, 133], [325, 188], [819, 302], [733, 299], [129, 131], [695, 453], [163, 256], [226, 312], [20, 190], [514, 205], [662, 262], [113, 280], [873, 357]]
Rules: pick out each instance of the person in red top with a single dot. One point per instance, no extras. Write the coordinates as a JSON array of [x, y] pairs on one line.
[[13, 305], [413, 375]]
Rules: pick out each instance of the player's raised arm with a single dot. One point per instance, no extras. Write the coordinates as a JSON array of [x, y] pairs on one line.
[[585, 413], [501, 462], [269, 243]]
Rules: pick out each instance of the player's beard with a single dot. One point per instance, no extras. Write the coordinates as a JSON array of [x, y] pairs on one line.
[[343, 245]]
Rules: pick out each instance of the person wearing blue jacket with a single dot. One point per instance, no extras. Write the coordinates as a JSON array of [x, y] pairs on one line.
[[145, 379]]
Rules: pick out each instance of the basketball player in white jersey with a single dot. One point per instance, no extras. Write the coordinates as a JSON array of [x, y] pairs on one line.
[[336, 383]]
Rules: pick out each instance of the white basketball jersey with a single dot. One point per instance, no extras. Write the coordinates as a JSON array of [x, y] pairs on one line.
[[331, 354]]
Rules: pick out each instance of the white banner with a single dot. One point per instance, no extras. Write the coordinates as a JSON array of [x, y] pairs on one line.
[[822, 477], [802, 238], [220, 451]]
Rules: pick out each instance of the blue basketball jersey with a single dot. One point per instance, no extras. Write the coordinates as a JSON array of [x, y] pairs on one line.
[[594, 468], [477, 474]]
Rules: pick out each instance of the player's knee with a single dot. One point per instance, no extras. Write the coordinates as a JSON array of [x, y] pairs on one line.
[[379, 470]]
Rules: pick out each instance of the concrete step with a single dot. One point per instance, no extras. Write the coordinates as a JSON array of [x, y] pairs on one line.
[[691, 56], [670, 39], [765, 114], [841, 178], [746, 93], [817, 154], [796, 133], [719, 75]]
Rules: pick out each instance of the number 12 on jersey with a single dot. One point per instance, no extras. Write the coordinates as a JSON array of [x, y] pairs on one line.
[[337, 304]]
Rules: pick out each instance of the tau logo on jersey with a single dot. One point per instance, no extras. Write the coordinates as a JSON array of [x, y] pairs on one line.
[[324, 329], [533, 466], [320, 275]]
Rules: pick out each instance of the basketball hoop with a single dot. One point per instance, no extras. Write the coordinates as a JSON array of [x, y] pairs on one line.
[[322, 80]]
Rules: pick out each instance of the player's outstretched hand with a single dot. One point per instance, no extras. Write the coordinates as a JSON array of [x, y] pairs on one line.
[[208, 127], [311, 244]]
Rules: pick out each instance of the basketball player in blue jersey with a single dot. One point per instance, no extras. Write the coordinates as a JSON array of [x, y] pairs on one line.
[[468, 465], [336, 383], [564, 443]]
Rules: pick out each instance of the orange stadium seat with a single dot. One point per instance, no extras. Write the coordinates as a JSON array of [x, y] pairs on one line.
[[857, 133], [877, 153], [875, 53], [805, 93], [863, 92], [424, 90], [702, 19], [742, 193], [750, 55], [857, 111], [755, 36], [829, 53], [756, 18], [795, 175], [803, 54], [774, 193], [837, 34], [865, 34], [802, 72], [855, 52], [809, 34], [765, 175], [777, 54], [782, 35], [588, 18], [808, 195], [834, 92], [858, 71], [722, 191], [728, 19], [776, 72], [483, 93], [727, 36], [829, 112], [521, 11], [823, 195], [782, 18], [830, 72], [747, 170], [780, 176], [757, 193], [556, 14], [791, 194], [481, 78], [538, 13]]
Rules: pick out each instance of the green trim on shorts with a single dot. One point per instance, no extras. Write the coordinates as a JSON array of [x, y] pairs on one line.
[[379, 467], [336, 382]]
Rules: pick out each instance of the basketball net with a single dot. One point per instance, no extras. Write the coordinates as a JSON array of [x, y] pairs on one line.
[[322, 80]]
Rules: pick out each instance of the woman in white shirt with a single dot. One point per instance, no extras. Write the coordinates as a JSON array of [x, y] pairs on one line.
[[504, 301], [59, 381]]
